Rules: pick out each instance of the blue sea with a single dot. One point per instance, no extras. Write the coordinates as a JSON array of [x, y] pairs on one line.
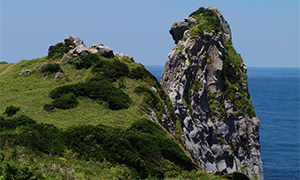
[[275, 97]]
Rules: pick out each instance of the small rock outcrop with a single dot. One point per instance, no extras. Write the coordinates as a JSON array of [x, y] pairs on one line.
[[74, 46], [206, 81], [59, 75], [25, 72]]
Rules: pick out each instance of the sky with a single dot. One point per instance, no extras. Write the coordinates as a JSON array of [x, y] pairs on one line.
[[265, 33]]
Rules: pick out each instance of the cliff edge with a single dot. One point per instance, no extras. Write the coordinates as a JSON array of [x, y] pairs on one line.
[[207, 83]]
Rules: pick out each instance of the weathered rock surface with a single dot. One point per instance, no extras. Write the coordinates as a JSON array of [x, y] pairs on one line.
[[219, 135], [25, 72], [178, 28], [59, 75], [105, 50]]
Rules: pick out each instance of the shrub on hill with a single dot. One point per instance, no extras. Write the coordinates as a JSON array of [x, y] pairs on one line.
[[15, 122], [59, 49], [96, 90], [112, 69], [51, 68], [151, 99], [143, 146], [140, 73], [66, 101], [86, 62], [11, 110]]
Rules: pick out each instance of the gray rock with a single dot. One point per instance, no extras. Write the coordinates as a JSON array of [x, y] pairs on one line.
[[202, 59], [70, 171], [42, 66], [130, 58], [81, 50], [59, 75], [25, 72], [53, 167], [65, 57], [223, 23], [178, 28], [153, 89], [105, 51], [72, 39]]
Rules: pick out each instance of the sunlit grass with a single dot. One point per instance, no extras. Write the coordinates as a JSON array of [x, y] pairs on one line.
[[31, 93]]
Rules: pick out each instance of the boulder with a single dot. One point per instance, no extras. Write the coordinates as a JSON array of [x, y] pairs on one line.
[[72, 39], [59, 75], [153, 89], [65, 57], [81, 50], [105, 50], [129, 57], [178, 28], [42, 66], [25, 72]]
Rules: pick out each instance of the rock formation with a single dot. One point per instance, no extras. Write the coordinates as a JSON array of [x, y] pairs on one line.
[[77, 47], [206, 81]]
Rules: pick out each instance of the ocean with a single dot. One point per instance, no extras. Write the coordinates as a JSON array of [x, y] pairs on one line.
[[275, 97]]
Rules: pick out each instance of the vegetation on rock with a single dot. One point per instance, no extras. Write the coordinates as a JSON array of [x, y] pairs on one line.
[[207, 20]]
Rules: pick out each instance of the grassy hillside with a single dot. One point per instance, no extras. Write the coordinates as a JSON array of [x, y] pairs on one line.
[[88, 124]]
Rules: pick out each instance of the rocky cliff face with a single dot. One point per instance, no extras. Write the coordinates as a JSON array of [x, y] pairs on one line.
[[206, 81]]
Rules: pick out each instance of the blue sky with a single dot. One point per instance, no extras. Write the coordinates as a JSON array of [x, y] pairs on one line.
[[265, 33]]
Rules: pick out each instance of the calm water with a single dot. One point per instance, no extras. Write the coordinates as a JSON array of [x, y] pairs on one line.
[[275, 96]]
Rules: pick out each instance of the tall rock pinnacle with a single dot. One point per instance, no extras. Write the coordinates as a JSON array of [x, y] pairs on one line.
[[207, 83]]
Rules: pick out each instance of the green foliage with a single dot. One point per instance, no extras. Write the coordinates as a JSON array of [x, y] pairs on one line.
[[207, 20], [20, 172], [51, 68], [180, 49], [96, 90], [11, 110], [59, 49], [66, 101], [221, 140], [151, 99], [233, 176], [197, 85], [234, 78], [15, 122], [142, 147], [140, 73], [112, 69], [86, 62], [40, 137]]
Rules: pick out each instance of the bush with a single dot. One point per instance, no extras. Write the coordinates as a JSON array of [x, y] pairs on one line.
[[142, 147], [66, 101], [86, 62], [140, 73], [45, 138], [51, 68], [59, 49], [111, 69], [18, 172], [151, 99], [96, 90], [11, 110], [15, 122]]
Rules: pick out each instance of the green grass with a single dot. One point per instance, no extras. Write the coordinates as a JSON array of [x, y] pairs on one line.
[[31, 93], [206, 20]]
